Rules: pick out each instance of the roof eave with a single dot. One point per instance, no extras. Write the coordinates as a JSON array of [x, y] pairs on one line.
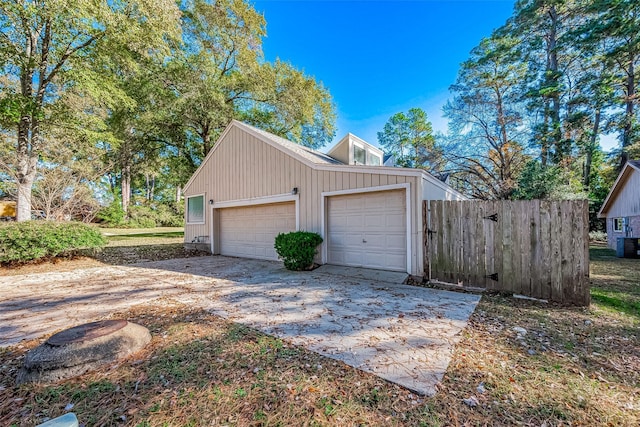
[[615, 189]]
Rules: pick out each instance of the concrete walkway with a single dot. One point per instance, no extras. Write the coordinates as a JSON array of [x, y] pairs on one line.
[[401, 333]]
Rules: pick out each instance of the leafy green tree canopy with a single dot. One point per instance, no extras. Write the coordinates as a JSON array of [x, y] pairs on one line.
[[409, 138], [50, 48]]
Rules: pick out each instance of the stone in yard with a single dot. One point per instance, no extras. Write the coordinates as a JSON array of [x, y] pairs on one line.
[[520, 331], [471, 401], [82, 348]]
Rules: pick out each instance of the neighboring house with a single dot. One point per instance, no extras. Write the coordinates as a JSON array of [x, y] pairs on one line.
[[254, 185], [389, 160], [621, 208], [7, 210]]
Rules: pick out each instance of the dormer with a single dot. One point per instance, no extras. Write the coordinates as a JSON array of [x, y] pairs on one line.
[[352, 150]]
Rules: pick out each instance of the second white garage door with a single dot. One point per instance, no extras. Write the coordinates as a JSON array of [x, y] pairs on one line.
[[368, 230], [250, 231]]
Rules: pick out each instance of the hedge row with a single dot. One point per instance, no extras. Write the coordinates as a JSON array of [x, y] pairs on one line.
[[29, 240], [142, 216]]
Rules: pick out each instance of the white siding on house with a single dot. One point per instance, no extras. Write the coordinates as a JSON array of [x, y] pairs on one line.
[[627, 201]]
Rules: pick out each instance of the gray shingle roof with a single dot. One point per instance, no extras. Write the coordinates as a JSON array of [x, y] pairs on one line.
[[306, 152]]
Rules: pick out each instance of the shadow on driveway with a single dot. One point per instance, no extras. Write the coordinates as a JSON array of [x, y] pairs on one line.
[[402, 333]]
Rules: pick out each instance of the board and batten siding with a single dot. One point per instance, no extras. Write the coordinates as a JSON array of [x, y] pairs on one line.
[[243, 167], [627, 202]]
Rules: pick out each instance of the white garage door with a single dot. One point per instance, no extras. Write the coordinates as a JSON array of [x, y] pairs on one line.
[[250, 231], [368, 230]]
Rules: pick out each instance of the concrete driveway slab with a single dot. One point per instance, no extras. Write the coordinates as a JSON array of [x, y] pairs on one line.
[[402, 333]]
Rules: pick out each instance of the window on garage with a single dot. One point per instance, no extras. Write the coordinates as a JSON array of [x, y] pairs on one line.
[[195, 209]]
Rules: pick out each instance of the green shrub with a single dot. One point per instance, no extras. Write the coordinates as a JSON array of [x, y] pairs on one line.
[[597, 236], [155, 214], [111, 216], [297, 248], [141, 216], [169, 214], [29, 240]]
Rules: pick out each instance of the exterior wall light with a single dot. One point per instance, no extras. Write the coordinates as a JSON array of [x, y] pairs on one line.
[[294, 191], [210, 201]]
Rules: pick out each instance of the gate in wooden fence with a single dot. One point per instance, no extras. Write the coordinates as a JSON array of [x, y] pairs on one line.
[[536, 248]]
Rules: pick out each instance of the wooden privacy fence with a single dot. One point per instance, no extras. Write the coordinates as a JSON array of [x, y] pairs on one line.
[[536, 248]]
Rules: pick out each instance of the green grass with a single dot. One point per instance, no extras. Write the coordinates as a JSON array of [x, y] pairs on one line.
[[618, 301], [615, 282], [127, 239], [168, 235], [141, 231]]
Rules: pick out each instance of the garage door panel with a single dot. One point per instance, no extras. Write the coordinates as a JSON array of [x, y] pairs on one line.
[[353, 221], [374, 221], [382, 242], [250, 231], [367, 230], [352, 257], [395, 221]]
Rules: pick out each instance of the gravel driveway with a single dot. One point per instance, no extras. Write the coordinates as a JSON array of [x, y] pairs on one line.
[[401, 333]]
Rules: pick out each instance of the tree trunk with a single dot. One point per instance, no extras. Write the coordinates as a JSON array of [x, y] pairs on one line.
[[544, 140], [23, 205], [206, 140], [178, 193], [28, 140], [627, 132], [586, 179], [150, 183], [553, 77], [125, 189]]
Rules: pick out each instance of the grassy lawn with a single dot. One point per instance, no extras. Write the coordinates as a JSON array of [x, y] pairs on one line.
[[141, 231], [566, 366], [118, 237]]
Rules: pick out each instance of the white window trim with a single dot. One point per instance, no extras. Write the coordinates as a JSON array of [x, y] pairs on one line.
[[323, 213], [266, 200], [204, 210], [372, 154], [621, 222], [363, 148]]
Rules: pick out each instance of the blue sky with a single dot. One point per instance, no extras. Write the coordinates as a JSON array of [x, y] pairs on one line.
[[378, 58]]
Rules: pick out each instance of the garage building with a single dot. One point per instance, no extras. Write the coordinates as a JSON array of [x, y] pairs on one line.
[[253, 185]]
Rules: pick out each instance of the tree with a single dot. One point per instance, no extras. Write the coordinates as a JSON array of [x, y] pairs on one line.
[[219, 74], [487, 130], [409, 138], [179, 105], [614, 27], [550, 47], [50, 47]]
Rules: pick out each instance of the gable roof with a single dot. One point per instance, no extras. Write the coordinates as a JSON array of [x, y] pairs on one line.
[[314, 159], [625, 173], [306, 152]]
